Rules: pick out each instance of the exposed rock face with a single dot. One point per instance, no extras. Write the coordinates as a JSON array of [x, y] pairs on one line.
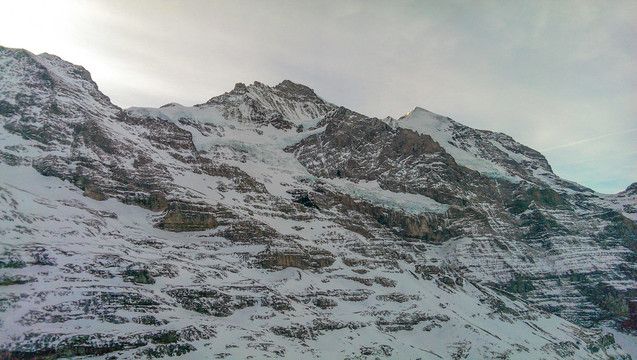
[[284, 106], [300, 260], [187, 217], [268, 222], [359, 148], [138, 276]]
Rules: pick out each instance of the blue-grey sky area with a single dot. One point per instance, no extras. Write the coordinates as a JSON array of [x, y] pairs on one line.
[[558, 76]]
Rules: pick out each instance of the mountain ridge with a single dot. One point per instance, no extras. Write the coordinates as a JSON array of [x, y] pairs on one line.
[[283, 225]]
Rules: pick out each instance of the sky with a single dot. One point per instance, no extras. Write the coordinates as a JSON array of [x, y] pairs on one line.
[[558, 76]]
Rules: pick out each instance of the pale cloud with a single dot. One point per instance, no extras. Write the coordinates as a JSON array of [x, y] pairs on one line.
[[549, 73]]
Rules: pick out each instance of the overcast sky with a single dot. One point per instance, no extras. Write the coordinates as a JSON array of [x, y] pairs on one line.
[[560, 77]]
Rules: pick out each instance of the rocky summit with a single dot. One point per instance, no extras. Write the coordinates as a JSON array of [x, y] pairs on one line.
[[267, 222]]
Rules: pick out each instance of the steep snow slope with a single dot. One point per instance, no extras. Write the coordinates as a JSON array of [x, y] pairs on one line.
[[492, 154]]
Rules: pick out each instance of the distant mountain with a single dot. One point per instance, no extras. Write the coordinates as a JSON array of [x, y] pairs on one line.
[[267, 222]]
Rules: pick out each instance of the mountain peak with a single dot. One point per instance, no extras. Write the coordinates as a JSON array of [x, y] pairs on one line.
[[418, 109], [423, 114], [240, 87], [58, 81], [293, 103], [289, 86], [491, 154]]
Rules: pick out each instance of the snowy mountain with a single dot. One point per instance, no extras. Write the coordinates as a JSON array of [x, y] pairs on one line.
[[267, 222]]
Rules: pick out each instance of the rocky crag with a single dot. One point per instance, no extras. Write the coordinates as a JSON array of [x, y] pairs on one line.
[[267, 222]]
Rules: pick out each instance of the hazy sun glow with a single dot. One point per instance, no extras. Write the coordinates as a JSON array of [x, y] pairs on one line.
[[47, 23]]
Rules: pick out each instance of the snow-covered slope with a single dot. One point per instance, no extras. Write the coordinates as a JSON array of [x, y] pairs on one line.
[[624, 202], [74, 285], [492, 154], [267, 222]]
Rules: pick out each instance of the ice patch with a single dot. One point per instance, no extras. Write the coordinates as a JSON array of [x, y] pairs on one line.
[[371, 191]]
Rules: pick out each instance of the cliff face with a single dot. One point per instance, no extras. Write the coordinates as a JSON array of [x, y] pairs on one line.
[[268, 222]]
